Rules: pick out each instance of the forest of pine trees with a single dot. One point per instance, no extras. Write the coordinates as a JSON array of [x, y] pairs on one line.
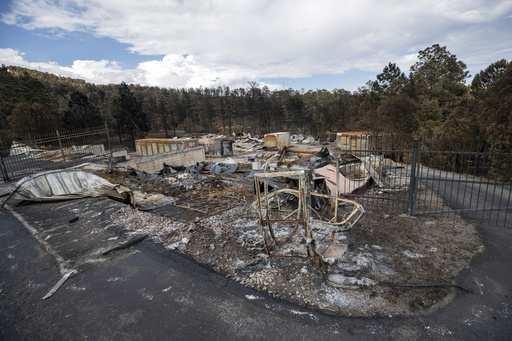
[[433, 98]]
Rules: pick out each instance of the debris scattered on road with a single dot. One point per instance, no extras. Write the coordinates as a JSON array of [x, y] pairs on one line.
[[126, 245], [71, 221], [59, 284]]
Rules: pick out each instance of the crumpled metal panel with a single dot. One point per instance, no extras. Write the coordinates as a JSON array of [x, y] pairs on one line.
[[66, 185]]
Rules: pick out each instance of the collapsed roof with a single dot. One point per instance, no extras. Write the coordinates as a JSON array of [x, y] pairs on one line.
[[68, 184]]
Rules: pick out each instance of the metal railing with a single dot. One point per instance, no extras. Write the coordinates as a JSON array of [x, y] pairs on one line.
[[425, 176], [474, 182], [55, 150]]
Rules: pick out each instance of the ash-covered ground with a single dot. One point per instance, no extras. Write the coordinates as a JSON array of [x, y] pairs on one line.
[[213, 221]]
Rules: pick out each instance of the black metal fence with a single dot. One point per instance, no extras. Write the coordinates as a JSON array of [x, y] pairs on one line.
[[472, 178], [55, 150], [429, 176]]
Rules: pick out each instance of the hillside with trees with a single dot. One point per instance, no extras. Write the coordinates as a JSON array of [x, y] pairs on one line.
[[432, 99]]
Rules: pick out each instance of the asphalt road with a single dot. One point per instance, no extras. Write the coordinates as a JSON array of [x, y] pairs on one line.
[[146, 292]]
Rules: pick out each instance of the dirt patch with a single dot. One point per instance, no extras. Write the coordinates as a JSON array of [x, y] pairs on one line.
[[220, 229]]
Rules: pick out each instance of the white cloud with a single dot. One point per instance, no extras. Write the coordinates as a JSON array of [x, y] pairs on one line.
[[172, 72], [181, 71], [12, 57], [101, 72], [231, 42]]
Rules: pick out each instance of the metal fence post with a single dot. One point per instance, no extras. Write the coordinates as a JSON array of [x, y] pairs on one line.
[[60, 144], [412, 186], [3, 170], [108, 139]]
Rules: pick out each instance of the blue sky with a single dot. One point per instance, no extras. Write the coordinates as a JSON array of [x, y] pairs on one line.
[[321, 44]]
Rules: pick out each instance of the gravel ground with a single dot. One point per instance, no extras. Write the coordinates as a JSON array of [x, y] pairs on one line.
[[216, 225]]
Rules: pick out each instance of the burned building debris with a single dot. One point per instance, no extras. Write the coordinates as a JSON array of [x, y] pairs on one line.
[[290, 222], [277, 140], [67, 184], [217, 146], [316, 226]]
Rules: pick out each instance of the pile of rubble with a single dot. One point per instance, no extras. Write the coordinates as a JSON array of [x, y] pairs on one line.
[[280, 222], [220, 222], [380, 250]]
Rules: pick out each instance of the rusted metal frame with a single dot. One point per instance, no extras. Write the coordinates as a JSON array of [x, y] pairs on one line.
[[285, 219], [346, 221], [280, 154], [268, 222], [267, 248], [188, 207], [279, 191], [303, 195], [338, 227], [356, 204], [265, 243], [271, 158], [281, 158], [276, 192], [300, 205], [267, 205], [296, 221], [272, 234], [291, 213], [298, 151], [283, 190], [258, 197]]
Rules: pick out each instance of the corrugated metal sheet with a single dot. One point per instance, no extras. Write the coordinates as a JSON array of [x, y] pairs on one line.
[[147, 147], [66, 185]]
